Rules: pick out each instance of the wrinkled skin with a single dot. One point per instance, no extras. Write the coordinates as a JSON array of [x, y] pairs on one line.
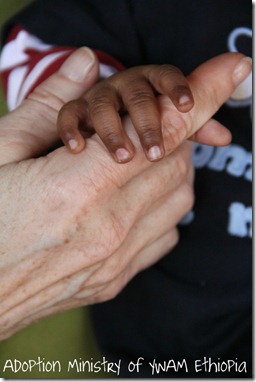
[[76, 228]]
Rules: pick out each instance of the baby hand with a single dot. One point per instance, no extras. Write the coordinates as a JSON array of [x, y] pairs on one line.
[[133, 91]]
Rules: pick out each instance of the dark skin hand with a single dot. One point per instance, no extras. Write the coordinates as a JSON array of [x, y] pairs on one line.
[[133, 91]]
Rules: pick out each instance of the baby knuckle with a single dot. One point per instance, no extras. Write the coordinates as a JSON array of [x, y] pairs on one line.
[[98, 104], [166, 72], [139, 97], [167, 69], [111, 138], [149, 128], [150, 133]]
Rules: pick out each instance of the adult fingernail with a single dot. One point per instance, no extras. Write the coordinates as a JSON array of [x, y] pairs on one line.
[[78, 65], [244, 90], [242, 70]]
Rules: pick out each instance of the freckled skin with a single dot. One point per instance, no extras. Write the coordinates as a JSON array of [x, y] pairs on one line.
[[132, 91]]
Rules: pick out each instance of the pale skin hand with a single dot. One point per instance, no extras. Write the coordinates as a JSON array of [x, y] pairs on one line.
[[72, 232], [31, 129]]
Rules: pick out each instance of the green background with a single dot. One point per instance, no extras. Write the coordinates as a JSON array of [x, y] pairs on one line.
[[64, 337], [7, 8]]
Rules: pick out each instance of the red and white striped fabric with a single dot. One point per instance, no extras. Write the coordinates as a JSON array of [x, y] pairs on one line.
[[26, 61]]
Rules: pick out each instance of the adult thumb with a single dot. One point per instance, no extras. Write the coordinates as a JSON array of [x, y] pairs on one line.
[[30, 129], [212, 83]]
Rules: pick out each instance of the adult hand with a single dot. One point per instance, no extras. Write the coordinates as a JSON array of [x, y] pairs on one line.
[[31, 129], [76, 228]]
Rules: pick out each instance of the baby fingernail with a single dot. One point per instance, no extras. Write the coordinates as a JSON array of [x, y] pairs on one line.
[[72, 144], [155, 153], [184, 100], [242, 70], [122, 155]]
